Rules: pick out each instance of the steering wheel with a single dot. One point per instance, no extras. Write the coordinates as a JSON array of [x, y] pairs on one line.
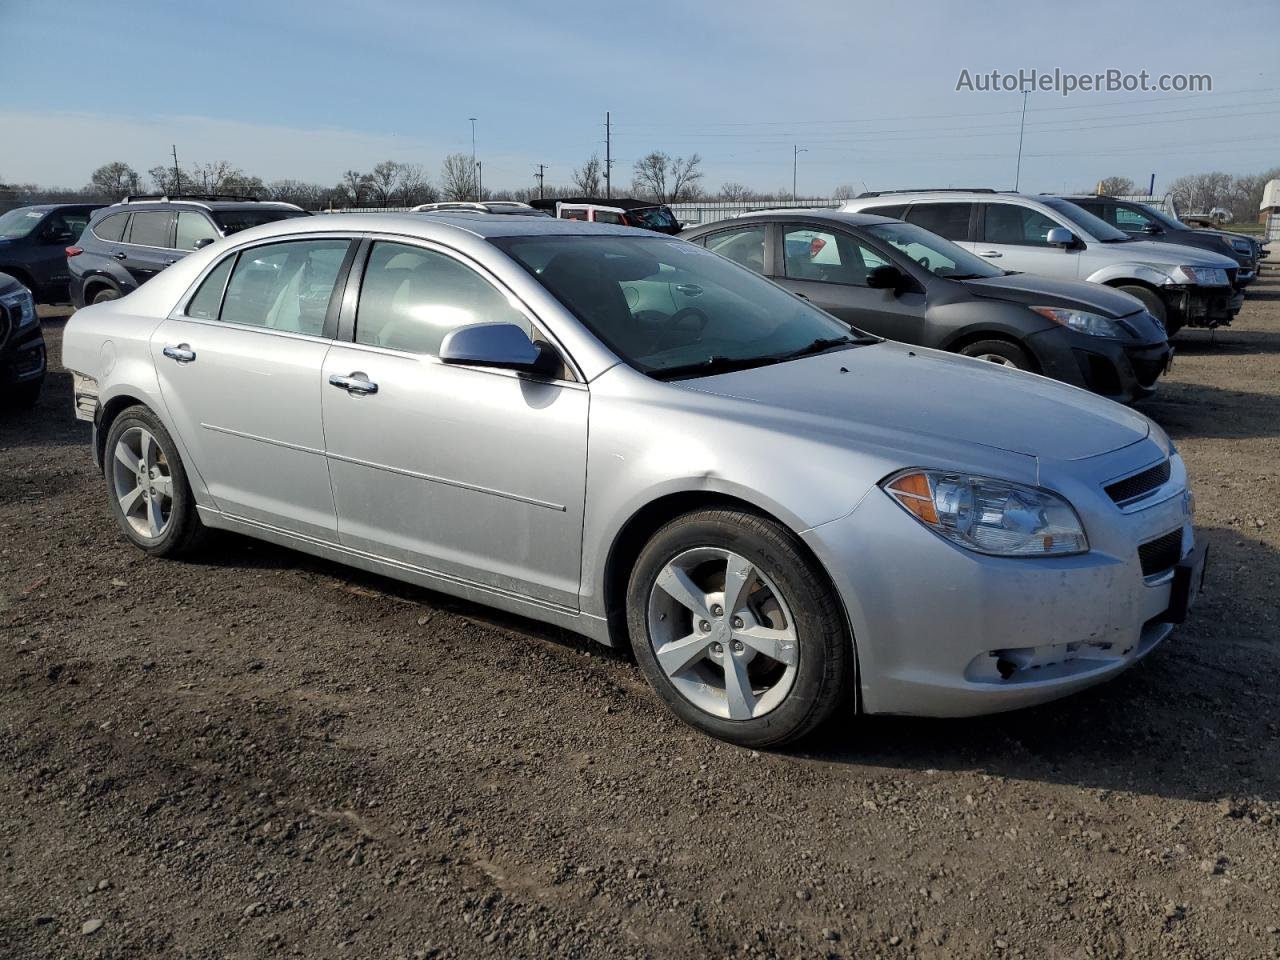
[[923, 261], [673, 321]]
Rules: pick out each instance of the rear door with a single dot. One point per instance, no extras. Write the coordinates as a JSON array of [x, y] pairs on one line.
[[148, 246], [240, 371], [1015, 237]]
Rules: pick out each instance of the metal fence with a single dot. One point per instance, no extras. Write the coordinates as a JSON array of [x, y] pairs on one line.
[[1165, 204]]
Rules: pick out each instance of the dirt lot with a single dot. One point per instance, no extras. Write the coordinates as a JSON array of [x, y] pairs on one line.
[[264, 755]]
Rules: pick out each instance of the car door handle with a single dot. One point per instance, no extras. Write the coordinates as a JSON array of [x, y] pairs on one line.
[[358, 385], [990, 253], [182, 353], [689, 289], [800, 295], [120, 255], [169, 263]]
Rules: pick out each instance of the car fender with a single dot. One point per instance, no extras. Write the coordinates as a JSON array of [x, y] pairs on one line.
[[1129, 272], [954, 323]]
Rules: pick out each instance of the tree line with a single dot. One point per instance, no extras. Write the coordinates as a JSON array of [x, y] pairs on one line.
[[1203, 192]]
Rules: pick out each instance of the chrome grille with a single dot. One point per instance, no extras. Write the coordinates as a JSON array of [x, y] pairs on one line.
[[1139, 485]]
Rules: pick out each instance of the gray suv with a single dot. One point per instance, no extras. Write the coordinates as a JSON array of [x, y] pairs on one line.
[[1180, 286]]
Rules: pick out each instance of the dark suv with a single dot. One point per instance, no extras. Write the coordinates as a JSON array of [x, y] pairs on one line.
[[128, 243], [22, 360], [1144, 222], [33, 244]]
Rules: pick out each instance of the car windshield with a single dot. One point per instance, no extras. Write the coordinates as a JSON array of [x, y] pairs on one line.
[[653, 218], [939, 256], [233, 221], [673, 309], [18, 223], [1099, 229]]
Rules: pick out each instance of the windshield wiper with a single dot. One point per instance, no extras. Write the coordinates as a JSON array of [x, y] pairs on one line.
[[826, 343], [711, 366]]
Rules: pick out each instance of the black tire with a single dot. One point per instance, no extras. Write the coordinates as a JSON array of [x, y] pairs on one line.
[[184, 532], [1155, 306], [105, 294], [1009, 354], [26, 395], [824, 668]]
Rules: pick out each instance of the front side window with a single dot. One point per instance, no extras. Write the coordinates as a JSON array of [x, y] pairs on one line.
[[111, 228], [940, 257], [151, 229], [813, 254], [284, 286], [1020, 226], [632, 294], [66, 223], [192, 228], [1096, 227], [411, 297], [233, 221], [745, 245], [949, 220], [1131, 221]]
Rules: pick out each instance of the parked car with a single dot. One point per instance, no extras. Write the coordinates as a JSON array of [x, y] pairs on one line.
[[128, 243], [509, 207], [22, 359], [33, 246], [1180, 286], [897, 280], [775, 515], [620, 210], [1144, 222]]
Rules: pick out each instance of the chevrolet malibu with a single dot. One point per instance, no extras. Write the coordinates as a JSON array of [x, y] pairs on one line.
[[631, 437]]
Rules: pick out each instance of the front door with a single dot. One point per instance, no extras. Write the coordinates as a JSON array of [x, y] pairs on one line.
[[829, 269], [1014, 237], [148, 246], [477, 475], [240, 372]]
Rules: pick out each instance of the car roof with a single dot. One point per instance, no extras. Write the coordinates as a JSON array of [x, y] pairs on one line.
[[442, 223], [47, 207], [802, 213], [890, 196], [622, 203]]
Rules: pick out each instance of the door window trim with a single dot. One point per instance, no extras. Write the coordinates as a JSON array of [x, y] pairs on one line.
[[836, 232]]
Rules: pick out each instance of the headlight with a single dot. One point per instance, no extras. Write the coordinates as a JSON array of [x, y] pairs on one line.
[[22, 303], [1201, 276], [989, 516], [1081, 321]]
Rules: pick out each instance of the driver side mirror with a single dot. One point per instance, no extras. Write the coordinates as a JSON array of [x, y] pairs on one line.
[[503, 346], [886, 277], [202, 243], [1061, 237], [1153, 229]]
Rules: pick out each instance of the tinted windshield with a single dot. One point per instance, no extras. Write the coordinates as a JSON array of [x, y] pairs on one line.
[[664, 304], [1082, 218], [18, 223], [653, 218], [940, 257], [233, 221]]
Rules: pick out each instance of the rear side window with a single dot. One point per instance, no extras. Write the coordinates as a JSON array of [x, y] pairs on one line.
[[411, 297], [208, 299], [950, 220], [828, 257], [745, 245], [151, 229], [111, 228], [193, 227], [284, 286], [1022, 226]]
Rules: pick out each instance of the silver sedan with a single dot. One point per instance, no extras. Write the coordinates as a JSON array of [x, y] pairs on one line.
[[633, 438]]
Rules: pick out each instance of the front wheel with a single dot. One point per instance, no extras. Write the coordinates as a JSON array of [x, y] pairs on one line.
[[147, 489], [1000, 352], [737, 628], [1155, 306]]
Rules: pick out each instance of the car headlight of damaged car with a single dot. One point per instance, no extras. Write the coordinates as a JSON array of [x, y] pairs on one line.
[[1202, 276], [22, 304], [1082, 321], [989, 516]]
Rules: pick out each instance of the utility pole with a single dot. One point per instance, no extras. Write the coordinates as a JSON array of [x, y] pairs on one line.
[[479, 179], [541, 175], [608, 156], [1017, 177], [795, 164], [177, 174], [473, 145]]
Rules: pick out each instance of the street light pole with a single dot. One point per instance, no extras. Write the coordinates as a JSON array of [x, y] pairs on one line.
[[479, 179], [1017, 176], [473, 144], [795, 164]]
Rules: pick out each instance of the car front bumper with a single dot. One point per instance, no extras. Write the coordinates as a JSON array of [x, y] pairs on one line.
[[22, 357], [1201, 306], [942, 631], [1120, 370]]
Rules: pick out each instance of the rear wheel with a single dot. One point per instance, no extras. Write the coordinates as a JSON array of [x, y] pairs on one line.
[[105, 294], [1155, 306], [737, 629], [147, 489], [1002, 352]]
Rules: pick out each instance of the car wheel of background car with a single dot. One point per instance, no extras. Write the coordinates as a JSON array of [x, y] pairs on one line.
[[999, 351], [147, 489], [738, 629], [1155, 306], [105, 294]]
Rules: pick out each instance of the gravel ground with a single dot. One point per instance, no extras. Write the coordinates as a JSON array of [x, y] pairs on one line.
[[260, 754]]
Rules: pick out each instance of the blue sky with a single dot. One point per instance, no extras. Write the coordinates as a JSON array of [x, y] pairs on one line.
[[309, 89]]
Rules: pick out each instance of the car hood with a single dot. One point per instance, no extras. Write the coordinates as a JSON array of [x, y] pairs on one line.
[[1156, 253], [928, 393], [1034, 290]]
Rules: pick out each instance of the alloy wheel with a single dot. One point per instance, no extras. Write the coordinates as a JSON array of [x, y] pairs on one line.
[[142, 483], [722, 633]]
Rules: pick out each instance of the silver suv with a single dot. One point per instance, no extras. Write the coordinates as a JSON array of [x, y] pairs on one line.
[[1180, 286]]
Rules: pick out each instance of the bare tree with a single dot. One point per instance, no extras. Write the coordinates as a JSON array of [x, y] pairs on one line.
[[353, 189], [413, 187], [846, 191], [213, 177], [168, 180], [667, 179], [1201, 192], [309, 196], [587, 178], [383, 180], [458, 177], [115, 179], [1116, 187], [736, 191]]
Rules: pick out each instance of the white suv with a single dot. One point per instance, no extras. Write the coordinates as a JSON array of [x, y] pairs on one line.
[[1180, 286]]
